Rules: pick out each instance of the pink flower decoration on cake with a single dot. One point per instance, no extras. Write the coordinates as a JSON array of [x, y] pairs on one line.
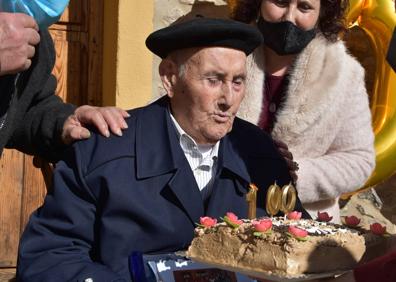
[[263, 225], [352, 221], [297, 232], [324, 216], [207, 221], [294, 215], [233, 218], [377, 228]]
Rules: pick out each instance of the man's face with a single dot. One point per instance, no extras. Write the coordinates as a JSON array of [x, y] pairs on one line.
[[207, 95]]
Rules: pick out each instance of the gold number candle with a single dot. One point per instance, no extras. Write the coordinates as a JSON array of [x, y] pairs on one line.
[[251, 198], [281, 199]]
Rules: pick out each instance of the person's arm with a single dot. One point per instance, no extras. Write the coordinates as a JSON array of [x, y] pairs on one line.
[[44, 124], [39, 119], [351, 158], [59, 241]]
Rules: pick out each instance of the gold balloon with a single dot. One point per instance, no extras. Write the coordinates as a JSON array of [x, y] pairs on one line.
[[378, 19]]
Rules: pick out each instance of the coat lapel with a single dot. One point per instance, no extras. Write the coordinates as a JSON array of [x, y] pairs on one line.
[[153, 148], [230, 186], [231, 159], [185, 188], [158, 152]]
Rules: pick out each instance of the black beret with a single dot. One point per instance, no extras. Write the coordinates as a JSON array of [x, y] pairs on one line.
[[204, 32]]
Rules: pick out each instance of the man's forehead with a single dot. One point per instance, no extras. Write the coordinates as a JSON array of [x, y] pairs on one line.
[[218, 56]]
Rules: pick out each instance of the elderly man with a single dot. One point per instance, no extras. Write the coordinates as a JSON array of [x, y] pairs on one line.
[[183, 157]]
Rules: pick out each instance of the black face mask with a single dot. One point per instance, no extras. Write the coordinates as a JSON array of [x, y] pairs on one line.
[[285, 38]]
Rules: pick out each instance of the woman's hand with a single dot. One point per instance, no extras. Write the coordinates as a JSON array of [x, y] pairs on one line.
[[293, 166], [102, 118]]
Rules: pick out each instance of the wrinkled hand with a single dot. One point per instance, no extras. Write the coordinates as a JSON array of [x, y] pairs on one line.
[[284, 150], [18, 36], [102, 118]]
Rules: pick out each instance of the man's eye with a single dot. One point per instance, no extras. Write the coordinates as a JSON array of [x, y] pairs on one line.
[[213, 80], [239, 81]]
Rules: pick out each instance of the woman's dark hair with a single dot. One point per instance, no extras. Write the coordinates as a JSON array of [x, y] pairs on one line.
[[331, 18]]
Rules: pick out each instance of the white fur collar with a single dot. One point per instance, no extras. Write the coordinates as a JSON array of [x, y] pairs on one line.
[[315, 81]]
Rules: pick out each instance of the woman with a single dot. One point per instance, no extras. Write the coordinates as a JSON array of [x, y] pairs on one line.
[[307, 91]]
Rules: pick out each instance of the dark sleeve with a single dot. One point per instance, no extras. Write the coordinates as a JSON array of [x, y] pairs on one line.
[[41, 114], [59, 240], [380, 269], [264, 162]]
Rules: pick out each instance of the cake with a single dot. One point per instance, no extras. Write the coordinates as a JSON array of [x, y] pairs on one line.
[[276, 245]]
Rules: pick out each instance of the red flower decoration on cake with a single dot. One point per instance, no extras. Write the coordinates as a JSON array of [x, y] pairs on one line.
[[298, 233], [352, 221], [324, 216], [377, 228], [294, 215], [207, 221], [232, 220], [263, 225]]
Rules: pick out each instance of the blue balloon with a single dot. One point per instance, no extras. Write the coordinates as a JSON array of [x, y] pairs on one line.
[[45, 12]]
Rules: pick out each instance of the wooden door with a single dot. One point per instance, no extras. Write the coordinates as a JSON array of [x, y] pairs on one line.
[[78, 42]]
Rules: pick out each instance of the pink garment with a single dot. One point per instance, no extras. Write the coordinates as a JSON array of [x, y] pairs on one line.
[[381, 269], [272, 97]]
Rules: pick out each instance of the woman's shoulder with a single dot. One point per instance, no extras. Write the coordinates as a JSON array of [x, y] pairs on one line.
[[322, 58], [337, 52]]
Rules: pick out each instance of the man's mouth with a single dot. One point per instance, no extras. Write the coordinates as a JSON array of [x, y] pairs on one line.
[[222, 117]]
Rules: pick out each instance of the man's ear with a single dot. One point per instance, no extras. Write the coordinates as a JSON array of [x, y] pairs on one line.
[[168, 73]]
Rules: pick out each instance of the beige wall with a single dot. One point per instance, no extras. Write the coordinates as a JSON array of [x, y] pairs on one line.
[[127, 62], [130, 71]]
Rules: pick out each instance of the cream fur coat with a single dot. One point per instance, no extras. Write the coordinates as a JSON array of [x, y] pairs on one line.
[[325, 121]]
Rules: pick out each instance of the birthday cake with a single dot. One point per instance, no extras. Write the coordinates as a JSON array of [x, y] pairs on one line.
[[277, 245]]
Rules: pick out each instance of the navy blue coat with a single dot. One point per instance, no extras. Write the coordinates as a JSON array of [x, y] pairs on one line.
[[137, 193]]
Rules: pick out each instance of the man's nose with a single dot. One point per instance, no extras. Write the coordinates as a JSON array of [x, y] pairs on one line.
[[227, 95]]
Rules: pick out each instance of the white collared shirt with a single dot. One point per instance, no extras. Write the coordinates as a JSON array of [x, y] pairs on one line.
[[202, 159]]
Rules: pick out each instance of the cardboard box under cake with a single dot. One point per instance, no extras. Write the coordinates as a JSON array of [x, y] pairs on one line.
[[282, 253]]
